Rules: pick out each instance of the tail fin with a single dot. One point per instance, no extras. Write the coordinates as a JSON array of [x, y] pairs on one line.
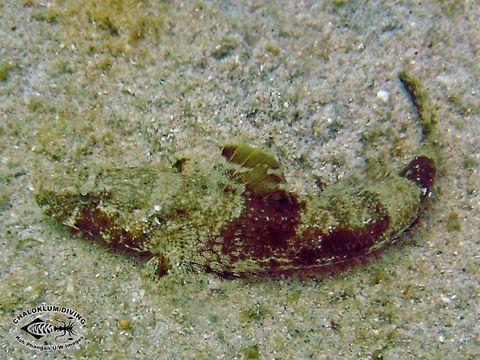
[[426, 114], [422, 169]]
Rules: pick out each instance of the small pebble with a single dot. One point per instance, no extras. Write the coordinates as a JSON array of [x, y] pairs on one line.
[[124, 324], [383, 95]]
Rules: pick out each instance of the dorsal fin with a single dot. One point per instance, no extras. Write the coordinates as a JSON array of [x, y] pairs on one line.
[[265, 171]]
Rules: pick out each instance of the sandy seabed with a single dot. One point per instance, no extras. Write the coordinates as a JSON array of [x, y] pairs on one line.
[[85, 84]]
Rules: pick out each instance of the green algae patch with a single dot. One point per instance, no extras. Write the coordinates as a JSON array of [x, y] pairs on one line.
[[452, 8], [453, 222], [108, 27], [470, 162], [5, 69], [224, 48], [251, 352], [254, 314]]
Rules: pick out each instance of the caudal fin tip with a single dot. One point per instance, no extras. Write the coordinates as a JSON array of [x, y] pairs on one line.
[[422, 171]]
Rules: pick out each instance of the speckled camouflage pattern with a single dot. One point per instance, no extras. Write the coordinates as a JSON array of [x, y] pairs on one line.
[[242, 219]]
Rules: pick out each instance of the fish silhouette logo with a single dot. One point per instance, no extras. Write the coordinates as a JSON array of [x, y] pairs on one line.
[[49, 328], [38, 328]]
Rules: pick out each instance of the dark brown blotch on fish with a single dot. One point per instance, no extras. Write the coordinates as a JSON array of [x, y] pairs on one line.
[[421, 171]]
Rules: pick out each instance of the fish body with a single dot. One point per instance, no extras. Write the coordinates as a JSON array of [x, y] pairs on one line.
[[242, 219]]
